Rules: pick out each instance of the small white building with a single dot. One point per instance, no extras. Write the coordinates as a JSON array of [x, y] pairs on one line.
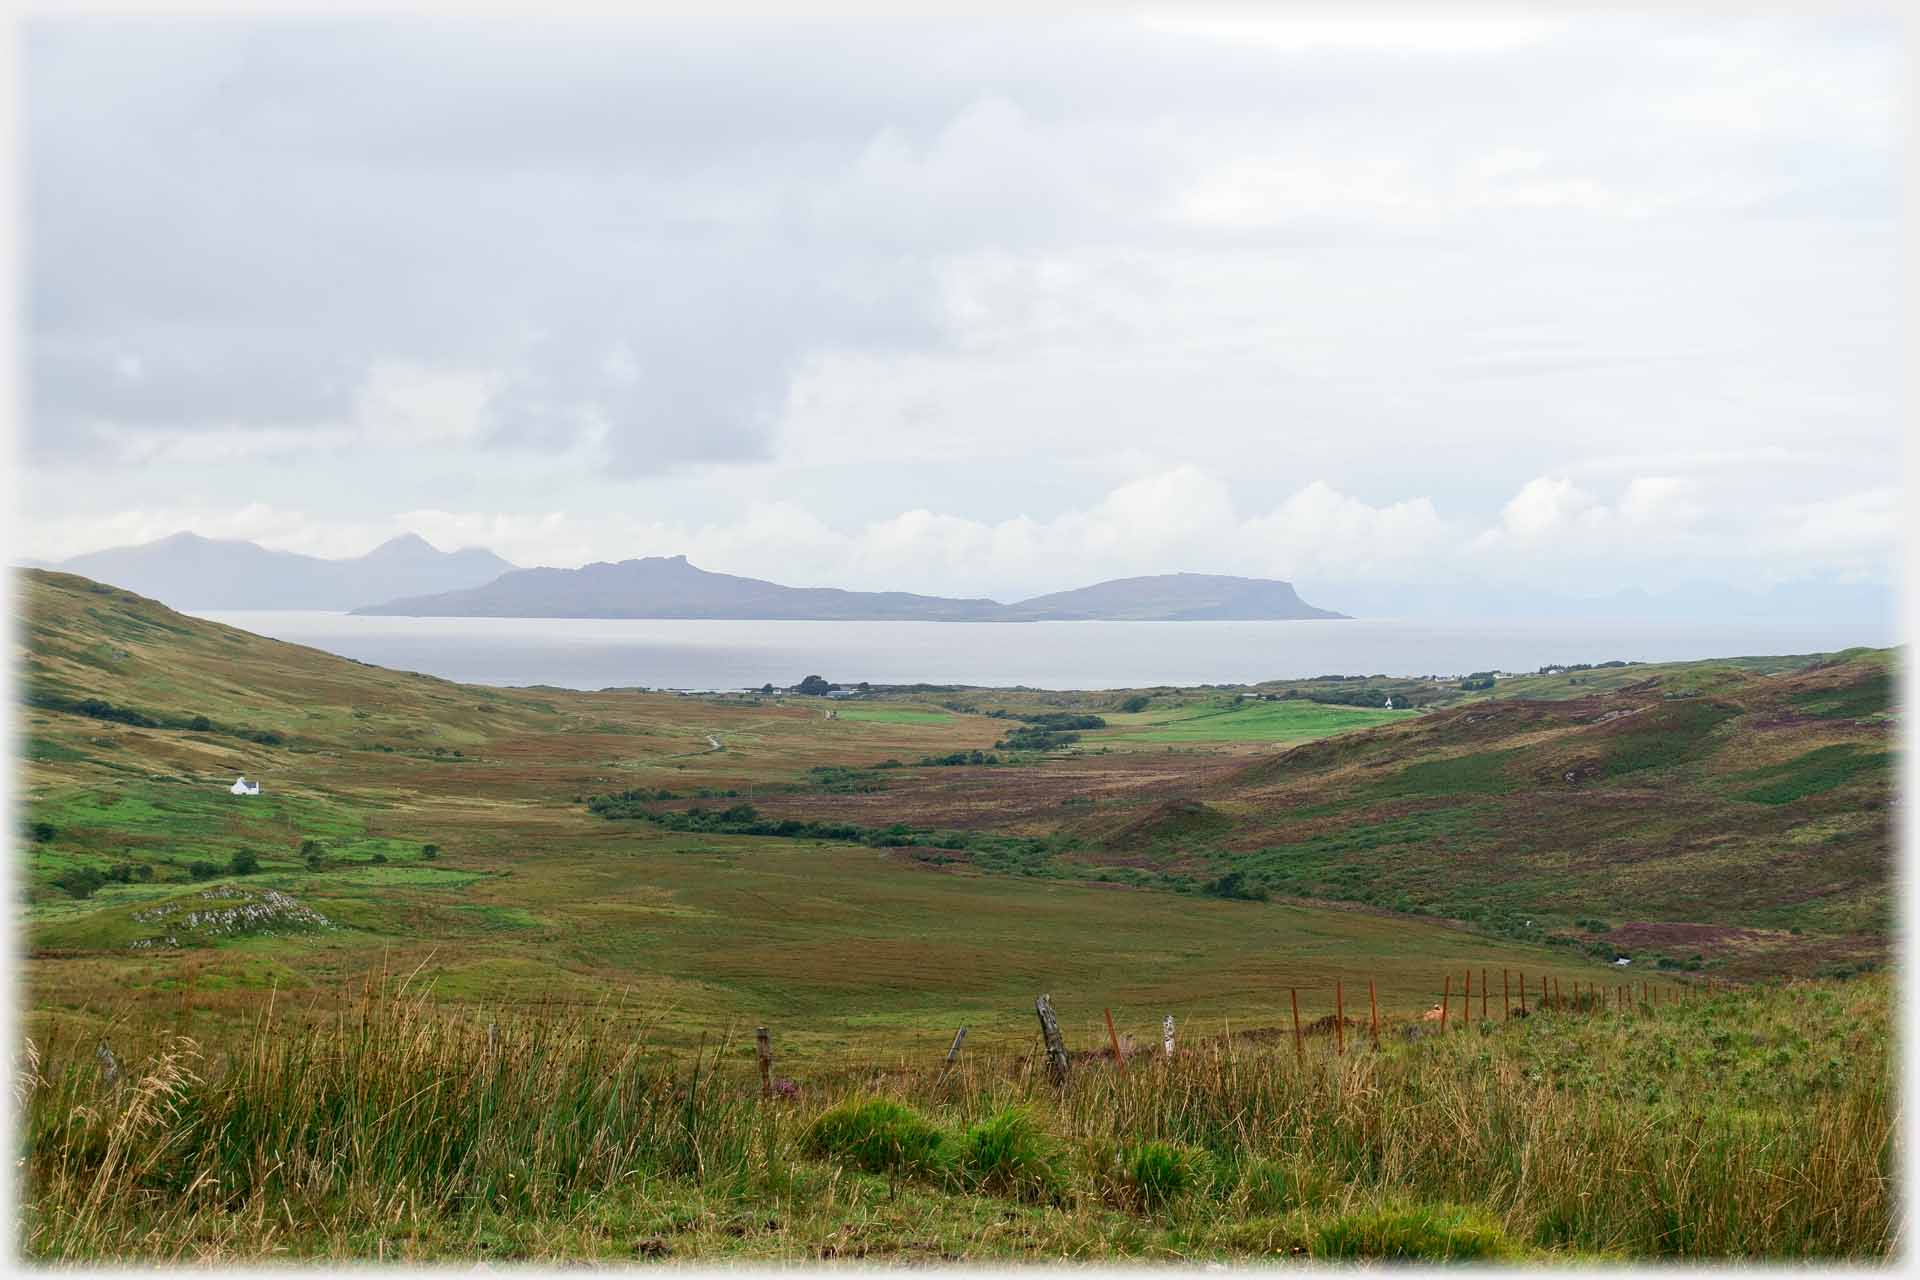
[[241, 787]]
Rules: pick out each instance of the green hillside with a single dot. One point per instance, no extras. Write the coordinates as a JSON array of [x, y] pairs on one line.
[[477, 973], [406, 821]]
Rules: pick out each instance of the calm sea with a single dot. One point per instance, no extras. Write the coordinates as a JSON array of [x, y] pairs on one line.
[[681, 654]]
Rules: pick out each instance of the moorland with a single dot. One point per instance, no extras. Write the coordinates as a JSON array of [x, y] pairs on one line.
[[478, 971]]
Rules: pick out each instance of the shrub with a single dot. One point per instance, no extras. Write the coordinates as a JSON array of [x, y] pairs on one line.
[[429, 851], [203, 870], [813, 686], [265, 737], [1036, 740], [878, 1136], [200, 724], [1138, 702], [1010, 1154], [1060, 721], [378, 858], [41, 832], [80, 881], [1155, 1174], [244, 862], [1234, 885]]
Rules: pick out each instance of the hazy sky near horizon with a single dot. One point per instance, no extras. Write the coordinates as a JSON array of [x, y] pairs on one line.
[[994, 307]]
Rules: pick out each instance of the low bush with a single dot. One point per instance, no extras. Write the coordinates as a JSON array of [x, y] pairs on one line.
[[1010, 1154], [878, 1136], [1152, 1175]]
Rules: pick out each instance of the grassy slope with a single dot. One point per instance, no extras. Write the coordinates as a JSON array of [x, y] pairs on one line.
[[1749, 1123], [1734, 810], [532, 898]]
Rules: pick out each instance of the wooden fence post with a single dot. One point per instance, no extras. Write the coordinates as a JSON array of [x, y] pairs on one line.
[[1543, 993], [1446, 1000], [1118, 1058], [1558, 1003], [1506, 999], [764, 1043], [493, 1039], [1373, 1013], [1293, 994], [1050, 1033], [1483, 995], [953, 1050], [1466, 1000], [1339, 1018], [1166, 1031], [1523, 990]]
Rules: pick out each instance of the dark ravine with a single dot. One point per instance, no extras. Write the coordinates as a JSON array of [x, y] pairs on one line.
[[669, 587]]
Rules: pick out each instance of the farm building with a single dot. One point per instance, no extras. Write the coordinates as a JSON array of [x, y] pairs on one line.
[[241, 787]]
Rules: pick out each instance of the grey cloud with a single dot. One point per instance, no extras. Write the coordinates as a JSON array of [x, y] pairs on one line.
[[259, 213]]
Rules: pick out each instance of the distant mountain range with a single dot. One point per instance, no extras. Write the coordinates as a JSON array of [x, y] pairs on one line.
[[191, 572], [1169, 597], [669, 587], [407, 576]]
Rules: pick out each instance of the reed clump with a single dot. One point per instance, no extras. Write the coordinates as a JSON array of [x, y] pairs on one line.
[[1753, 1124]]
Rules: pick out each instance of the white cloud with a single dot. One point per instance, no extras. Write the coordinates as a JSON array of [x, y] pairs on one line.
[[408, 404]]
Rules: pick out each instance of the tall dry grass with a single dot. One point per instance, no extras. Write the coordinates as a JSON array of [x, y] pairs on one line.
[[1605, 1133]]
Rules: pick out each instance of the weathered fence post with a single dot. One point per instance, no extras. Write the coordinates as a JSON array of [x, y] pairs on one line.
[[1056, 1046], [1466, 999], [1373, 1014], [1119, 1058], [1340, 1018], [1483, 995], [1523, 991], [1293, 994], [1506, 998], [493, 1039], [1446, 1000], [764, 1044], [109, 1065], [1166, 1032], [953, 1050], [1558, 1003]]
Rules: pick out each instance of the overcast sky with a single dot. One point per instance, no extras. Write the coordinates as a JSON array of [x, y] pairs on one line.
[[991, 308]]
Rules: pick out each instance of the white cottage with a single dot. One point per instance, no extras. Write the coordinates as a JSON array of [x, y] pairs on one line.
[[241, 787]]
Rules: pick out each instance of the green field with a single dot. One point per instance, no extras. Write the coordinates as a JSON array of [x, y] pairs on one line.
[[1271, 722]]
